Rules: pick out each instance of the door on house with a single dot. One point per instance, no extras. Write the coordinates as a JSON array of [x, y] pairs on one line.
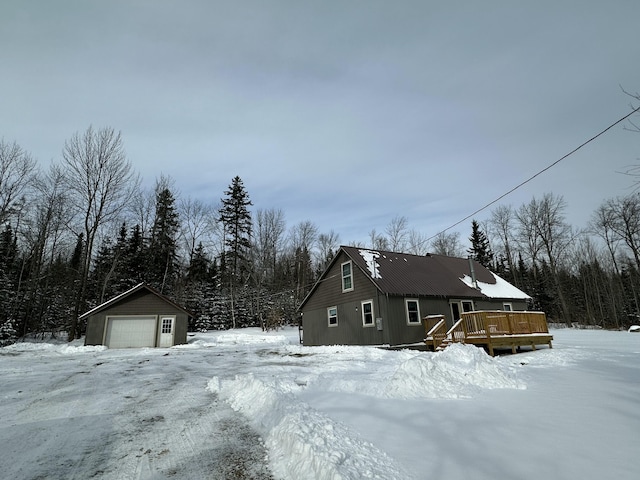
[[460, 305], [167, 327], [455, 311]]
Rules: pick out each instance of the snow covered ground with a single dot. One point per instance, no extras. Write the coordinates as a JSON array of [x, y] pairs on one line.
[[244, 404]]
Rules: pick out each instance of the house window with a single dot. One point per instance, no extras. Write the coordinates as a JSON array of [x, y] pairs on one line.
[[367, 313], [332, 315], [413, 311], [347, 277], [467, 306], [167, 323], [507, 307]]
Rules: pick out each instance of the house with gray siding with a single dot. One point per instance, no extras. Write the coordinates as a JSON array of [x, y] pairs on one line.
[[373, 297], [139, 317]]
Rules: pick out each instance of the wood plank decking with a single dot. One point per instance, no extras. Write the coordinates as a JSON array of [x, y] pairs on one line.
[[489, 329]]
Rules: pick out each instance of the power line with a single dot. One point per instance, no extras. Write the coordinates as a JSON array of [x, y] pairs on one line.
[[537, 174]]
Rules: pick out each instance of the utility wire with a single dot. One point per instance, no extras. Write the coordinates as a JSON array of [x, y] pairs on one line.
[[537, 174]]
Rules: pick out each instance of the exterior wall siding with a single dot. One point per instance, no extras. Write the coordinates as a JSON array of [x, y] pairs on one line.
[[350, 329]]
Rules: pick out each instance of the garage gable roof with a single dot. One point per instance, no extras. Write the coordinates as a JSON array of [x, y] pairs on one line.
[[118, 298]]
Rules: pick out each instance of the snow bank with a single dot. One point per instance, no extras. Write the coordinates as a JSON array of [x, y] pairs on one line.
[[244, 336], [302, 442], [64, 349], [236, 338], [455, 372], [305, 443]]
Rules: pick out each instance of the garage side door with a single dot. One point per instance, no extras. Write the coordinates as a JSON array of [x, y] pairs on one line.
[[131, 332]]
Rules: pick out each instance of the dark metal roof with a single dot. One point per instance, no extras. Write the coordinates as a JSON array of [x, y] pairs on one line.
[[118, 298], [420, 275]]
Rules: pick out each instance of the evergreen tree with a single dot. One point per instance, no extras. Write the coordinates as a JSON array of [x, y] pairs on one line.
[[101, 273], [132, 271], [162, 266], [480, 249], [199, 267], [236, 220]]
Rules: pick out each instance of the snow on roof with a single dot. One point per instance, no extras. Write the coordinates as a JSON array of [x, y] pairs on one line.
[[500, 289], [370, 257]]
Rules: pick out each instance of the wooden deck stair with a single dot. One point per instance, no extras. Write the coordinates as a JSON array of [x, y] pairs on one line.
[[489, 329]]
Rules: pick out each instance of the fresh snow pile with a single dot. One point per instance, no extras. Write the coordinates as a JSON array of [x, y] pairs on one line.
[[305, 443], [236, 337], [302, 442], [458, 371]]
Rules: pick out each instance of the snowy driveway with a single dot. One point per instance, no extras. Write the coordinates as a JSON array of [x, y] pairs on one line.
[[243, 404], [73, 413]]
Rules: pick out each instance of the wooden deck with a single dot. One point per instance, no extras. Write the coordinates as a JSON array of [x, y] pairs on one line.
[[489, 329]]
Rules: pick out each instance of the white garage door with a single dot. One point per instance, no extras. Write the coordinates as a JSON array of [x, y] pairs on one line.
[[126, 332]]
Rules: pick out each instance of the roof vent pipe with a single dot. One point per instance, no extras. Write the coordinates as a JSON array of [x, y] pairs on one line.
[[474, 282]]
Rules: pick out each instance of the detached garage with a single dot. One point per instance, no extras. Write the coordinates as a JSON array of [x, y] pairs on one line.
[[140, 317]]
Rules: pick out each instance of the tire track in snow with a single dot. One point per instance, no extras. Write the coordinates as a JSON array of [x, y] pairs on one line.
[[117, 415]]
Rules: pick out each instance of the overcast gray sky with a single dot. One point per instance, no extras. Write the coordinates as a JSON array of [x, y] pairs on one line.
[[344, 113]]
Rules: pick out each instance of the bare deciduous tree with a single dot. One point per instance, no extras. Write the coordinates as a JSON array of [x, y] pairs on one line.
[[546, 228], [447, 244], [377, 241], [268, 236], [194, 226], [17, 169], [624, 221], [418, 243], [101, 182], [502, 224], [328, 244], [397, 231]]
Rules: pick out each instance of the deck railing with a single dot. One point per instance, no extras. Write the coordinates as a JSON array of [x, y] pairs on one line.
[[490, 323], [491, 329], [457, 333]]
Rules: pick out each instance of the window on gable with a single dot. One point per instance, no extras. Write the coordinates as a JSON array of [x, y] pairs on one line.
[[332, 315], [413, 311], [367, 313], [347, 277]]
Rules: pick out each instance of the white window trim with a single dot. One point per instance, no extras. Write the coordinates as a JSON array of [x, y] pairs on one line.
[[507, 306], [329, 316], [342, 277], [406, 310], [373, 317]]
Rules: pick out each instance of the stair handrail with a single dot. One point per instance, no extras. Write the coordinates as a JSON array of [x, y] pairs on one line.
[[457, 332]]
